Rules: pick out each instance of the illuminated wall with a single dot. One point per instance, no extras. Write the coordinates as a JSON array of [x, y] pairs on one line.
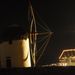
[[15, 54]]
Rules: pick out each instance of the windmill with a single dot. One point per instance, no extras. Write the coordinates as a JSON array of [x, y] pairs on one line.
[[24, 49]]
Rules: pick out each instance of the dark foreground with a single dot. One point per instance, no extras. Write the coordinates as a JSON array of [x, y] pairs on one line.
[[39, 71]]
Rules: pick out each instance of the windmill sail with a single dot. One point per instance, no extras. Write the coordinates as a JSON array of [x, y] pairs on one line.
[[37, 35]]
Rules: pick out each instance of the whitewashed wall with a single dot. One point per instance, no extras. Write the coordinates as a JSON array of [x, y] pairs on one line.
[[19, 52]]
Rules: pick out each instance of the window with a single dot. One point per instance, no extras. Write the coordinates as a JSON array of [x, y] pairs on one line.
[[8, 62], [0, 63]]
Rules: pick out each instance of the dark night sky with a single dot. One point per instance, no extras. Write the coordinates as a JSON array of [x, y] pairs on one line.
[[59, 16]]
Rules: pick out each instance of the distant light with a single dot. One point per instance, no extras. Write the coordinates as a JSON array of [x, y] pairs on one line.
[[62, 64]]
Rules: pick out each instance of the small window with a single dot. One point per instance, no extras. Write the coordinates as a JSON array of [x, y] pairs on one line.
[[8, 62]]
